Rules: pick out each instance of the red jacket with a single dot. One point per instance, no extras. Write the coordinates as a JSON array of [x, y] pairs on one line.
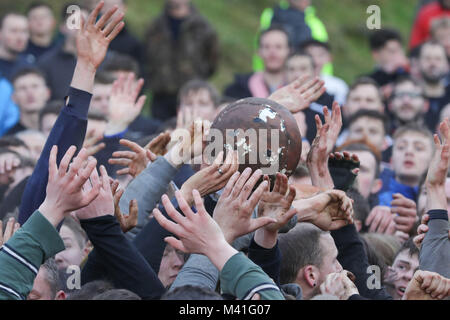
[[421, 29]]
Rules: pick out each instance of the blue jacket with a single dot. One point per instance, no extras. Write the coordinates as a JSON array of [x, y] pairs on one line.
[[9, 112], [391, 186]]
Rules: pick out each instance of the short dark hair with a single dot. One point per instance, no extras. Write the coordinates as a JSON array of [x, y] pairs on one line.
[[373, 114], [27, 71], [379, 38], [363, 145], [410, 246], [51, 276], [11, 141], [299, 247], [302, 53], [90, 290], [196, 85], [37, 4], [52, 107], [414, 127], [190, 292], [104, 77], [273, 27], [363, 81], [117, 294], [121, 62], [314, 43]]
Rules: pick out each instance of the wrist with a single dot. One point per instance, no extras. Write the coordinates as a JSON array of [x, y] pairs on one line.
[[187, 194], [304, 210], [436, 198], [219, 252], [83, 76], [266, 239], [52, 213]]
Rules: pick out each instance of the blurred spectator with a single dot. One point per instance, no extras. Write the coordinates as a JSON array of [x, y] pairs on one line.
[[390, 58], [181, 45], [31, 94], [48, 115], [14, 37], [440, 32], [299, 19], [42, 24], [429, 12]]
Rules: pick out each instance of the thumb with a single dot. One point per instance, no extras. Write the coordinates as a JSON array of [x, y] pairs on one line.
[[261, 222]]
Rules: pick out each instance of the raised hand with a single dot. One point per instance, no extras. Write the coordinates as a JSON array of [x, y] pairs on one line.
[[298, 95], [135, 160], [381, 220], [277, 203], [427, 285], [128, 221], [330, 210], [91, 142], [334, 121], [234, 209], [65, 192], [103, 204], [11, 227], [422, 229], [158, 146], [197, 232], [339, 285], [437, 171], [344, 169], [94, 37], [124, 104], [404, 211], [211, 178], [8, 164]]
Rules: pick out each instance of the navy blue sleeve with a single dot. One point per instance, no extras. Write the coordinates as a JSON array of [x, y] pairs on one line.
[[69, 130], [353, 257], [125, 266], [268, 259]]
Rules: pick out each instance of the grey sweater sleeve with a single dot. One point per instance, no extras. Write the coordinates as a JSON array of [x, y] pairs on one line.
[[435, 250], [147, 188]]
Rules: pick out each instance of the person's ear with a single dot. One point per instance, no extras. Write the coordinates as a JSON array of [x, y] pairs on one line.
[[88, 248], [60, 295], [311, 275], [376, 186]]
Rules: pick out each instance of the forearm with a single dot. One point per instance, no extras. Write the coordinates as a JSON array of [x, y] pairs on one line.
[[147, 189], [83, 76], [124, 264], [22, 256], [435, 250], [69, 129], [320, 175]]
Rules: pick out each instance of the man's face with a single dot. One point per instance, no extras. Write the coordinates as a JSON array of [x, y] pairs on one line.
[[42, 21], [200, 104], [404, 267], [411, 155], [47, 123], [298, 66], [330, 262], [274, 50], [30, 93], [100, 98], [41, 288], [363, 97], [391, 56], [369, 128], [171, 263], [367, 171], [14, 34], [442, 35], [73, 255], [320, 55], [433, 63], [407, 102]]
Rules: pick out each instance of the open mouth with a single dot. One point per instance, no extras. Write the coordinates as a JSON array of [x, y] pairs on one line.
[[408, 164], [401, 291]]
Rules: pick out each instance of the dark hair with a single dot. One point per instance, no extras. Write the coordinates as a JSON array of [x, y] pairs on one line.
[[96, 116], [314, 43], [189, 292], [52, 107], [11, 141], [51, 276], [104, 77], [90, 290], [196, 85], [414, 127], [273, 27], [379, 38], [301, 171], [410, 246], [121, 62], [38, 4], [370, 114], [363, 81], [363, 145], [27, 71], [361, 207], [373, 257], [299, 247], [117, 294], [302, 53]]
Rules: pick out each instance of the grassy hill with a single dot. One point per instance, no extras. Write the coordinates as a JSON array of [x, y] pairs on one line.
[[237, 22]]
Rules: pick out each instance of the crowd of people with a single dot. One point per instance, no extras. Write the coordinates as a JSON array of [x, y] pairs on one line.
[[99, 202]]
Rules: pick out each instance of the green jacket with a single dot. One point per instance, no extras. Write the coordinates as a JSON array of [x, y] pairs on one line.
[[21, 257], [242, 278]]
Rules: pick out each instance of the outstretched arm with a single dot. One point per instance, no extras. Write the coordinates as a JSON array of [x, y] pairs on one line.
[[70, 128]]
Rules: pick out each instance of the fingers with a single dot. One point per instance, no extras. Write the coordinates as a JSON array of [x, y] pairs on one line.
[[94, 14], [105, 179], [94, 192], [227, 191], [166, 223], [113, 24], [131, 145], [240, 182], [84, 173], [96, 148], [177, 244], [52, 166], [249, 185], [418, 240], [133, 214], [64, 164], [116, 30], [117, 197], [184, 206], [198, 204], [104, 19], [9, 230], [256, 195], [171, 211]]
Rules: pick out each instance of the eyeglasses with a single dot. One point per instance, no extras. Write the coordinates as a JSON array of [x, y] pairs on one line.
[[411, 95]]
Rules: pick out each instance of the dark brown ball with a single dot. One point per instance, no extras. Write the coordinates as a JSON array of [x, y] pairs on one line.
[[273, 141]]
